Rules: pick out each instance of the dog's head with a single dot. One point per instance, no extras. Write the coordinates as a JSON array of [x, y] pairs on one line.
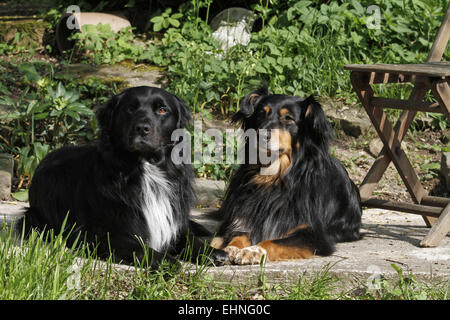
[[290, 122], [141, 119]]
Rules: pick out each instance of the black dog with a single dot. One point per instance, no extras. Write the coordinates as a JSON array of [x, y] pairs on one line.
[[306, 204], [123, 191]]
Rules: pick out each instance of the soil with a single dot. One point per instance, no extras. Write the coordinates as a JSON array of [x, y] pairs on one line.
[[419, 146]]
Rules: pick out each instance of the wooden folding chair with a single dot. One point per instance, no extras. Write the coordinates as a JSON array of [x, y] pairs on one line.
[[432, 75]]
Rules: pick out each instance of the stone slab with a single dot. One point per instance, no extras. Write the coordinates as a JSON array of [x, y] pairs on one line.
[[6, 173], [388, 238]]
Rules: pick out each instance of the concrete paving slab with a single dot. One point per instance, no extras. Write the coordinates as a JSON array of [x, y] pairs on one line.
[[388, 238]]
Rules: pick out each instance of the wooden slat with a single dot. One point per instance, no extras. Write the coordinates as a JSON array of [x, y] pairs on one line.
[[435, 69], [435, 201], [406, 105], [402, 207], [438, 231], [441, 40], [384, 77]]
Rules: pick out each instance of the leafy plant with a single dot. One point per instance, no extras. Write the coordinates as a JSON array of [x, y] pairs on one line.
[[166, 20], [40, 118], [100, 45], [29, 158]]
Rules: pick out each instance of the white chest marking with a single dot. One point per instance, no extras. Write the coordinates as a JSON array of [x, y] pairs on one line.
[[157, 193]]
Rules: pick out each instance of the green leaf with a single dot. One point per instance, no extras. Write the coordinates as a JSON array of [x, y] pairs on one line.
[[7, 101], [157, 27], [358, 7], [11, 115], [157, 19], [40, 116], [41, 150], [21, 195], [29, 71], [259, 68], [174, 22], [60, 90], [431, 166], [356, 38]]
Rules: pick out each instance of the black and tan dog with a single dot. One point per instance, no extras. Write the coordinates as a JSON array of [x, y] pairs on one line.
[[305, 205]]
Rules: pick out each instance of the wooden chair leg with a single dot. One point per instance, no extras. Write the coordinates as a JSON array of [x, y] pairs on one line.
[[382, 162], [439, 230], [360, 82], [441, 91]]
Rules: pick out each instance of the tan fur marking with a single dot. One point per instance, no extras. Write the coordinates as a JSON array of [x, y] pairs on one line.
[[267, 110], [308, 111], [276, 252], [285, 141], [217, 243], [284, 112], [281, 165], [240, 241], [299, 227]]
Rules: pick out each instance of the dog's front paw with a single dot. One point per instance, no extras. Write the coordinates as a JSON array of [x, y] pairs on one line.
[[232, 251], [250, 255]]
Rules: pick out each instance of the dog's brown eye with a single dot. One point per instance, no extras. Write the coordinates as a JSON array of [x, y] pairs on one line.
[[161, 110], [289, 118]]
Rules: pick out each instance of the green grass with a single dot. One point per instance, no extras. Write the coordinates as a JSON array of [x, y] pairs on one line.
[[42, 267]]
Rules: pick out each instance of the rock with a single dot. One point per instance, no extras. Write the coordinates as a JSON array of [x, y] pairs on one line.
[[209, 192], [353, 120], [127, 76], [375, 147], [6, 173], [31, 30], [219, 124], [11, 210], [354, 127], [445, 168]]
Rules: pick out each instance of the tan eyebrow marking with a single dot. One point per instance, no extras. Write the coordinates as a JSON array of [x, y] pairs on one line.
[[284, 112]]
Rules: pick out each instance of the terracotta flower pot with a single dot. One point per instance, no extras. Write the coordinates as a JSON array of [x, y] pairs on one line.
[[72, 22]]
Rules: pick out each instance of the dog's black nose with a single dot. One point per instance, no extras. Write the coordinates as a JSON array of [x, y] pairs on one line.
[[142, 128]]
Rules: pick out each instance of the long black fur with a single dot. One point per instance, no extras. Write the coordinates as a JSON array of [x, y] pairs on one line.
[[97, 185], [316, 191]]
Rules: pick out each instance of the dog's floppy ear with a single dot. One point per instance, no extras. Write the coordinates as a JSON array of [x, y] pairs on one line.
[[106, 111], [317, 126], [247, 106], [184, 113]]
